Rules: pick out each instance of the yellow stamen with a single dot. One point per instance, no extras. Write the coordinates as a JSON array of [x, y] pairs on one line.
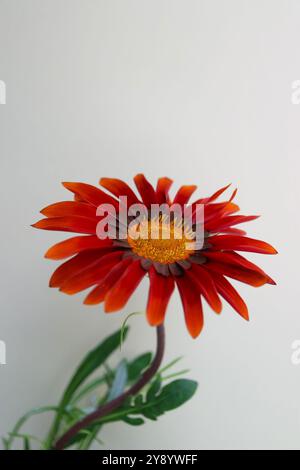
[[161, 240]]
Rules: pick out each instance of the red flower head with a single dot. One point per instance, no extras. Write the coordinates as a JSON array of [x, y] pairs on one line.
[[114, 267]]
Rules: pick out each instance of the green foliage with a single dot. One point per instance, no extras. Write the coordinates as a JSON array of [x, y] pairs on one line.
[[158, 400], [91, 362], [83, 396], [138, 365]]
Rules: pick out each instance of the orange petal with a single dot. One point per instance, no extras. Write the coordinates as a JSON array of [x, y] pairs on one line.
[[119, 295], [119, 188], [90, 194], [161, 289], [162, 190], [215, 196], [192, 305], [68, 224], [183, 194], [67, 208], [74, 245], [217, 210]]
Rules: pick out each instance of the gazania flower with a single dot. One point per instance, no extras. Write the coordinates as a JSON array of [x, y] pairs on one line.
[[113, 268]]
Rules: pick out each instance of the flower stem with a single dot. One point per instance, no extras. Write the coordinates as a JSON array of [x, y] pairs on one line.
[[117, 402]]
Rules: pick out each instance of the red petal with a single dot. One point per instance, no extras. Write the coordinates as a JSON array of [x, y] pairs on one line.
[[67, 208], [91, 276], [247, 276], [74, 245], [183, 194], [161, 289], [228, 221], [119, 295], [234, 231], [192, 305], [231, 242], [213, 211], [146, 190], [216, 210], [230, 257], [229, 293], [75, 265], [68, 224], [98, 294], [119, 188], [215, 196], [91, 194], [162, 190], [206, 284]]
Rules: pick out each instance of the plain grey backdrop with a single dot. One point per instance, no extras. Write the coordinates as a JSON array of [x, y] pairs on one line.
[[199, 90]]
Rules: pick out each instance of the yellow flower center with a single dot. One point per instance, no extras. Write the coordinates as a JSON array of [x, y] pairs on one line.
[[160, 240]]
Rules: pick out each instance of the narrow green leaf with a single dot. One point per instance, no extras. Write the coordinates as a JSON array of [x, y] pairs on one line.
[[26, 443], [5, 443], [123, 327], [91, 362], [176, 374], [88, 388], [154, 389], [171, 364], [23, 420]]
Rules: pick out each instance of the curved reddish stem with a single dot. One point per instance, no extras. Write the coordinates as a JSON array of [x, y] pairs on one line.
[[117, 402]]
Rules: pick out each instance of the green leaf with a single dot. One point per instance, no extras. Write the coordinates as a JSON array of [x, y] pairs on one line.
[[174, 395], [26, 443], [5, 443], [138, 365], [88, 388], [91, 362], [119, 382], [154, 389], [133, 421], [171, 364], [171, 396], [139, 400], [123, 327], [176, 374], [26, 440], [23, 419]]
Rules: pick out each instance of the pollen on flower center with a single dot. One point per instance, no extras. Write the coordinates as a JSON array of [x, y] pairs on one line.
[[162, 241]]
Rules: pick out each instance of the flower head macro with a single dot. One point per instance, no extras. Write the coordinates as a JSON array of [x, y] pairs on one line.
[[113, 267]]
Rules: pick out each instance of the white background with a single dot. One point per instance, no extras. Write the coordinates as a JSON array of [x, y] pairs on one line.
[[196, 90]]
